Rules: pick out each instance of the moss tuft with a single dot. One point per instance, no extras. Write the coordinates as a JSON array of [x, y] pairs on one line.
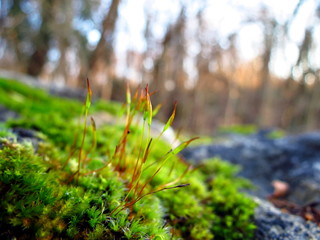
[[40, 198]]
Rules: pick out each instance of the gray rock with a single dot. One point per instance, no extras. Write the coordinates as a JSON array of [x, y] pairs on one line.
[[22, 135], [26, 135], [294, 160], [6, 114], [272, 224]]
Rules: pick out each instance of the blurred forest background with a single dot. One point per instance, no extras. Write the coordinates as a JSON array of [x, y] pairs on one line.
[[224, 62]]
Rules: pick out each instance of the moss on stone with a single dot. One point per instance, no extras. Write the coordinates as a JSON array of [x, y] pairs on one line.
[[41, 197]]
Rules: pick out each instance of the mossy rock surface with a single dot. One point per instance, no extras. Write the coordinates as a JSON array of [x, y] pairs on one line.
[[46, 194]]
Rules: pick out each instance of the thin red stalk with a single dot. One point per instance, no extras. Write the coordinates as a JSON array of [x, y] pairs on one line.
[[81, 147], [178, 179], [145, 156], [174, 151], [93, 142], [129, 204], [87, 106], [135, 171]]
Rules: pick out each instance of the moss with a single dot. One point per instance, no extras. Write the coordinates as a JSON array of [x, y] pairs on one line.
[[275, 134], [251, 129], [35, 204], [239, 129], [29, 101], [233, 209], [25, 191], [5, 132], [43, 197]]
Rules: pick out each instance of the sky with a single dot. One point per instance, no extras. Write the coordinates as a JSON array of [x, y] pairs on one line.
[[224, 17]]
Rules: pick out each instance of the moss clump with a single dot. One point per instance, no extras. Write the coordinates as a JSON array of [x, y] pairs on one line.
[[233, 210], [35, 204], [42, 196], [5, 132], [213, 210], [239, 129]]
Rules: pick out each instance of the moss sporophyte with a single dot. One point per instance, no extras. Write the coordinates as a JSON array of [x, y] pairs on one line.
[[108, 181], [124, 160]]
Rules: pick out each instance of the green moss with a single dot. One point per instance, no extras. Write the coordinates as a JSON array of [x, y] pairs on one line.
[[25, 192], [5, 132], [276, 134], [41, 197], [233, 209], [35, 204], [239, 129], [217, 209], [29, 101]]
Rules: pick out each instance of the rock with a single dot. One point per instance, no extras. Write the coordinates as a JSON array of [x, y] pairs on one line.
[[272, 224], [294, 160], [27, 135], [6, 114], [21, 133]]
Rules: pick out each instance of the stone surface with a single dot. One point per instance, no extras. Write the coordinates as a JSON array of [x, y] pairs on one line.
[[6, 114], [20, 133], [294, 160], [25, 135], [272, 224]]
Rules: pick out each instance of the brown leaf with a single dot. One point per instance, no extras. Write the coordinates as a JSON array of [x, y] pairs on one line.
[[280, 188]]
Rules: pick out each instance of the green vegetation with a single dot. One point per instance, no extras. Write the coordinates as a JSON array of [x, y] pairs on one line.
[[250, 129], [109, 181], [239, 129], [277, 133]]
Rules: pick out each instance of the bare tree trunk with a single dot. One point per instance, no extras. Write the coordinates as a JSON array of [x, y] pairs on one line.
[[101, 67], [264, 102], [296, 90], [64, 41], [148, 52], [232, 89], [38, 58], [160, 73], [313, 106], [169, 75]]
